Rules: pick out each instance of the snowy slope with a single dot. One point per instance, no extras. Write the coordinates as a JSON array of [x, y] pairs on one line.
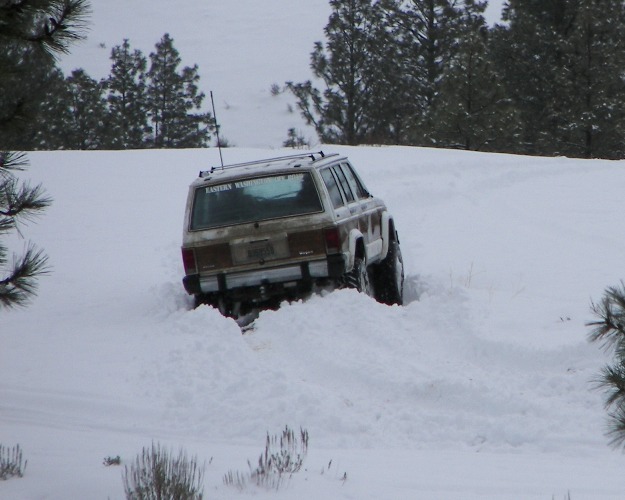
[[479, 387]]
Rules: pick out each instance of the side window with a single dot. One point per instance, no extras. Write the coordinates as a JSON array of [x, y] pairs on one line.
[[333, 188], [354, 182], [349, 196]]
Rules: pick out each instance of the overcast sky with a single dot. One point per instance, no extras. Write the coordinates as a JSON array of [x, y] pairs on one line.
[[493, 11]]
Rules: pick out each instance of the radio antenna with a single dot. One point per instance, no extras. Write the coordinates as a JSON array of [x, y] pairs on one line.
[[221, 159]]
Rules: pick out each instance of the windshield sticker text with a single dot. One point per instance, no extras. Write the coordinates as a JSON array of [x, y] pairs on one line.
[[220, 187], [253, 182]]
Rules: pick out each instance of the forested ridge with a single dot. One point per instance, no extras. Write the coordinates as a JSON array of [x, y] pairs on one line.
[[547, 80]]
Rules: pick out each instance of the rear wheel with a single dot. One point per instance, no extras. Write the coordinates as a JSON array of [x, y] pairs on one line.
[[389, 276], [358, 277]]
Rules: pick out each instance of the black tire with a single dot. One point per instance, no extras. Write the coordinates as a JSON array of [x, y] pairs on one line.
[[358, 277], [389, 277], [198, 300]]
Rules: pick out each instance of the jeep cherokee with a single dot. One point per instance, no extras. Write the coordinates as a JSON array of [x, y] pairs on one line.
[[260, 232]]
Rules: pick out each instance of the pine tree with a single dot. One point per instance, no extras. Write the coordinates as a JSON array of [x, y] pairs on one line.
[[171, 96], [610, 331], [30, 33], [390, 99], [24, 80], [54, 115], [87, 127], [591, 83], [471, 110], [128, 126], [562, 61], [73, 114], [343, 112], [526, 51], [427, 33]]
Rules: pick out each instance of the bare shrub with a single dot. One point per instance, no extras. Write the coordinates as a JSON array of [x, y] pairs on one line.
[[158, 475], [109, 461], [283, 456], [11, 462], [295, 140]]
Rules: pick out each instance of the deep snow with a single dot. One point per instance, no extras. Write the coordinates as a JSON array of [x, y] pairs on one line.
[[479, 387]]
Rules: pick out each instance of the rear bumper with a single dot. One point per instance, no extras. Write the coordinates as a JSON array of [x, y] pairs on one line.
[[332, 267]]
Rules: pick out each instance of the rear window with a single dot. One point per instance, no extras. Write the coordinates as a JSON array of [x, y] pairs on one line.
[[250, 200]]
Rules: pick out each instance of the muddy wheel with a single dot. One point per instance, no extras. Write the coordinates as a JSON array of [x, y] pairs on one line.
[[389, 277], [358, 277]]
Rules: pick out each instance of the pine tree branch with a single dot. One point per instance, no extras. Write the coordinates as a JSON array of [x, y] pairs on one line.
[[21, 285], [612, 380], [6, 224], [21, 202], [610, 328], [616, 427], [52, 24], [305, 93], [11, 160]]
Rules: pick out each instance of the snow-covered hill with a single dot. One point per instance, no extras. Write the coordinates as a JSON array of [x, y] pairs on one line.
[[479, 387]]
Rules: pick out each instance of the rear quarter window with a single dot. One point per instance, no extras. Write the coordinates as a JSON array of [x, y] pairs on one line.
[[333, 188], [347, 191], [354, 181]]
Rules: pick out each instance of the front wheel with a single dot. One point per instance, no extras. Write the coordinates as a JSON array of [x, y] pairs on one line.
[[389, 276]]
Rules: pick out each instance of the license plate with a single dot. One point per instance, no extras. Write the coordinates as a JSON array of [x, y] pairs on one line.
[[261, 252], [246, 251]]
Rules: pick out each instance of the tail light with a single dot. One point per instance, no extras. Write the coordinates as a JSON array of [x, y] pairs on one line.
[[188, 259], [332, 239]]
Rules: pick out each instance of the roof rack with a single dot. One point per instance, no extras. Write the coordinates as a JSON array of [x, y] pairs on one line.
[[311, 155]]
